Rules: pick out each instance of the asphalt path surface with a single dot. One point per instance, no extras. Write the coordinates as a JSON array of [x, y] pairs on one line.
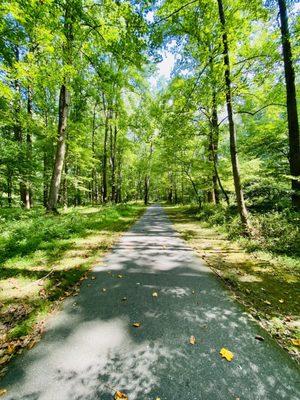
[[91, 349]]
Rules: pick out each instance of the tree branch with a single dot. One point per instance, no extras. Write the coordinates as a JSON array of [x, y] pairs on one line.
[[174, 12]]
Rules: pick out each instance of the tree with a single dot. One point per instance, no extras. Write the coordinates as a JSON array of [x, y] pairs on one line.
[[291, 102]]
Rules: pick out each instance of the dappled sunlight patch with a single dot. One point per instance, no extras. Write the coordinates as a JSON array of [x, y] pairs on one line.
[[176, 291], [249, 278]]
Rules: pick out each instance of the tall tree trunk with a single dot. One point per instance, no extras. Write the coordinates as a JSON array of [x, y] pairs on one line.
[[104, 161], [233, 146], [113, 141], [215, 144], [64, 101], [94, 186], [28, 189], [18, 135], [291, 102], [146, 189]]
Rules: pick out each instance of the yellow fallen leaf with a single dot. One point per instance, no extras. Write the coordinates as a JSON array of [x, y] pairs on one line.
[[136, 324], [2, 392], [192, 340], [119, 395], [296, 342], [10, 348], [154, 294], [225, 353]]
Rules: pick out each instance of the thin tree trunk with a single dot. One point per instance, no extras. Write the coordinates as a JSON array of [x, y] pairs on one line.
[[233, 146], [195, 188], [119, 180], [28, 189], [291, 102], [94, 188], [113, 140], [9, 185], [104, 162], [64, 101]]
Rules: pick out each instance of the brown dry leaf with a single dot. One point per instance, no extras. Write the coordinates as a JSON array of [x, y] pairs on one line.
[[192, 340], [2, 392], [225, 353], [136, 324], [296, 342], [120, 396], [154, 294]]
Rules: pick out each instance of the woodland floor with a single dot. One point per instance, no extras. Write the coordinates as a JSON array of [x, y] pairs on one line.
[[152, 321], [43, 258], [266, 284]]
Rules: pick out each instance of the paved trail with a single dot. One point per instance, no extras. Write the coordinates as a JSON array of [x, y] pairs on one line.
[[92, 344]]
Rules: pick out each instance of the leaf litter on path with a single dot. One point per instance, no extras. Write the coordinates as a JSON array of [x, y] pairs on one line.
[[192, 340], [120, 396], [225, 353]]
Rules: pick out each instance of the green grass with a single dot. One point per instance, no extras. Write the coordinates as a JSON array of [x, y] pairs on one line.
[[267, 284], [43, 257]]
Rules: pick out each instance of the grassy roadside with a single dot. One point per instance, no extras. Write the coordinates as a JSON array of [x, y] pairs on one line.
[[43, 259], [267, 285]]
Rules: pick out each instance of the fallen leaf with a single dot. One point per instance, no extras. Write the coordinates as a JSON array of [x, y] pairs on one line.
[[260, 338], [296, 342], [2, 392], [136, 324], [119, 395], [281, 301], [192, 340], [10, 348], [225, 353], [154, 294]]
